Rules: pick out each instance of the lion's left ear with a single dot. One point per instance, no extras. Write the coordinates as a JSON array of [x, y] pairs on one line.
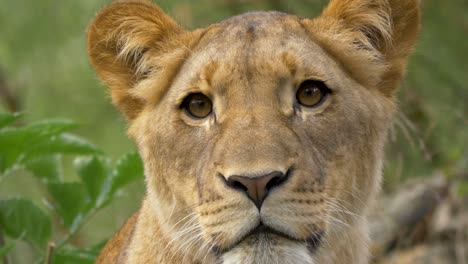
[[373, 33]]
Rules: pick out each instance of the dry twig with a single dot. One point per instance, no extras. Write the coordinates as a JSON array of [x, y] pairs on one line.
[[49, 253], [11, 101]]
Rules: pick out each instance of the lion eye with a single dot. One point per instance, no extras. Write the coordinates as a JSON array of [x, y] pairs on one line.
[[312, 93], [197, 105]]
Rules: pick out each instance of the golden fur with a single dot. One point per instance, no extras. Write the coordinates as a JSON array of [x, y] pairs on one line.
[[250, 66]]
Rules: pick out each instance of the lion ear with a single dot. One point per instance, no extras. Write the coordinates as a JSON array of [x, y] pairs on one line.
[[383, 32], [122, 39]]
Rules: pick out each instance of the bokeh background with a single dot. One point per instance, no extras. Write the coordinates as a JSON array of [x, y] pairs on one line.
[[45, 73]]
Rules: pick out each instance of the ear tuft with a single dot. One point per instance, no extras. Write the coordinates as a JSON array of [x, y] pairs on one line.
[[371, 19], [122, 40], [372, 38]]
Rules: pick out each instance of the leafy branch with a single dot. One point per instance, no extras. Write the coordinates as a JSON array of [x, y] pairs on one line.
[[39, 148]]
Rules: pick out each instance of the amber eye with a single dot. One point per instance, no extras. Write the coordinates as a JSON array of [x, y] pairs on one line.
[[197, 105], [312, 93]]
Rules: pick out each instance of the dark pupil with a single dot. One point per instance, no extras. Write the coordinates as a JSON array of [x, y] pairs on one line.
[[198, 104], [310, 91]]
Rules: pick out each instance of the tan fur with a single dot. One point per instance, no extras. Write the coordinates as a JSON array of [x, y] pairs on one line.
[[250, 66], [112, 251]]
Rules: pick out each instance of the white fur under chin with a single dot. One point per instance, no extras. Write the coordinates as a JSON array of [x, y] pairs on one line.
[[265, 252]]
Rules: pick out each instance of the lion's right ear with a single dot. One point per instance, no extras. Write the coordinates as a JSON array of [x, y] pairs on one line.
[[123, 40]]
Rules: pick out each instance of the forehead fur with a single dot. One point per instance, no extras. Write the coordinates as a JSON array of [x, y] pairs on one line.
[[280, 37], [132, 41]]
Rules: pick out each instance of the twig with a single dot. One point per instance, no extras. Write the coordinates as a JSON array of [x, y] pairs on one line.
[[82, 222], [407, 127], [406, 132], [2, 244], [49, 253], [11, 101]]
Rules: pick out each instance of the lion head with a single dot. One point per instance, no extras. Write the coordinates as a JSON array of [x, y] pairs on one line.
[[262, 136]]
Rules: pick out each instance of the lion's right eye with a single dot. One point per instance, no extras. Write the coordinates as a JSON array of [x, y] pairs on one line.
[[312, 93], [197, 105]]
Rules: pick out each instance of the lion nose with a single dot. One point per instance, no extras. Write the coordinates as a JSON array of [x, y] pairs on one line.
[[257, 188]]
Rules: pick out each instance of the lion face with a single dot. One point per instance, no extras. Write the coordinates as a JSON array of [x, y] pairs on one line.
[[260, 167], [262, 138]]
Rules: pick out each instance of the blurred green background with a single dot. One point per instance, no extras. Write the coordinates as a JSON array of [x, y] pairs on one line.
[[45, 73]]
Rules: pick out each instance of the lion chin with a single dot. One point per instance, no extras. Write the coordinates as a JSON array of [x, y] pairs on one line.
[[266, 245], [269, 248]]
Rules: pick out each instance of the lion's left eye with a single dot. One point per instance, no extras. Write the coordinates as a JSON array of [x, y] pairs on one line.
[[312, 93], [197, 105]]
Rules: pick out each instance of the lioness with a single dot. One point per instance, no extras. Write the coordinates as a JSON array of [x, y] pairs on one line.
[[262, 136]]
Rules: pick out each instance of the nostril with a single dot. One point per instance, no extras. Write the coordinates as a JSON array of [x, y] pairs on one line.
[[277, 180], [237, 185], [273, 183]]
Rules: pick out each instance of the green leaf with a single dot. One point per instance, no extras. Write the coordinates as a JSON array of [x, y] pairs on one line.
[[7, 248], [74, 256], [71, 201], [14, 143], [47, 168], [3, 165], [93, 172], [21, 216], [128, 169], [17, 142], [9, 118], [64, 144], [51, 127]]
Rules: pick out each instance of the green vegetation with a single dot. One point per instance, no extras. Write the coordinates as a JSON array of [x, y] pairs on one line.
[[38, 148], [44, 66]]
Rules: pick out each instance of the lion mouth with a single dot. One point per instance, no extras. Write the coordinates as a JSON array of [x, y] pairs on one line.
[[262, 231]]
